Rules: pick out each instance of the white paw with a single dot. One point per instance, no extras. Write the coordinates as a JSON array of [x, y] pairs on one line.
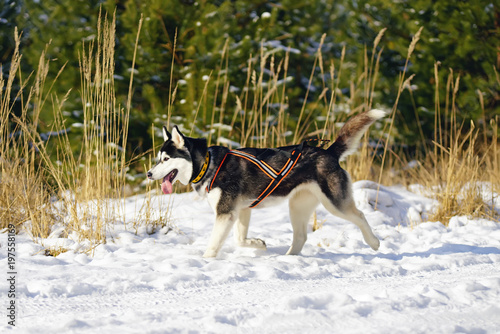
[[258, 243], [292, 251], [374, 243], [210, 253], [253, 243]]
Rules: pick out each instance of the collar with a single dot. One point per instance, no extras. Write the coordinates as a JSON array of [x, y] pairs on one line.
[[203, 169]]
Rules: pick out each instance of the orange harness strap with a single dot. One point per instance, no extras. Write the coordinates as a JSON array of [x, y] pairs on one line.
[[275, 177]]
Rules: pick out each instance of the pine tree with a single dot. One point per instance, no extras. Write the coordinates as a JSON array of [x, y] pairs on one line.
[[60, 28], [458, 35]]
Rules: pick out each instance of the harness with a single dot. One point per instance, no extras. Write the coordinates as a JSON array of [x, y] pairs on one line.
[[276, 177]]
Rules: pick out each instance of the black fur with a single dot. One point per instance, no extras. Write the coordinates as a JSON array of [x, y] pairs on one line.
[[240, 176], [237, 182]]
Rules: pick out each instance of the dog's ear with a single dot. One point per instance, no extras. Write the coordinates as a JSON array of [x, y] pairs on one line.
[[166, 135], [177, 137]]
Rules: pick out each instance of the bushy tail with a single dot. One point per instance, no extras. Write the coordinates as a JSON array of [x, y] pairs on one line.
[[350, 134]]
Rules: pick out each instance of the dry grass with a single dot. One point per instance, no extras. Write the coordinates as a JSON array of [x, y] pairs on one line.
[[90, 186], [24, 194], [147, 216], [452, 168], [461, 165], [54, 251]]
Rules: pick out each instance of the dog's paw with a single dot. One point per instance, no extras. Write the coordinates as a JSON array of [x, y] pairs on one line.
[[292, 251], [374, 244], [210, 253], [258, 243], [253, 243]]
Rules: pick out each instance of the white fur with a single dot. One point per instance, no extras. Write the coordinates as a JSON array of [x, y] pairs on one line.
[[177, 138], [302, 202], [160, 170], [213, 198], [377, 114], [241, 231], [167, 164], [301, 207], [353, 142], [223, 224]]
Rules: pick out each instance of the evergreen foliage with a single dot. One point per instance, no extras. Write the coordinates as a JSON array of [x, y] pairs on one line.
[[461, 37], [213, 39]]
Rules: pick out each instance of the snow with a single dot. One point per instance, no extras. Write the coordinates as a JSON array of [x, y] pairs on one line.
[[266, 15], [425, 277]]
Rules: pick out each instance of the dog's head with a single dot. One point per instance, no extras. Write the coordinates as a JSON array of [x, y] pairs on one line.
[[174, 161]]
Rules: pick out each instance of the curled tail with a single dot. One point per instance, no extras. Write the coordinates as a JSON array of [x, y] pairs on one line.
[[350, 134]]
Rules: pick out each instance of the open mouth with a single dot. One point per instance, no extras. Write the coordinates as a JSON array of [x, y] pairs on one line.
[[167, 183]]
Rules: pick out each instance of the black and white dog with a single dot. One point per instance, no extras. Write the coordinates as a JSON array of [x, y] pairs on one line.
[[235, 181]]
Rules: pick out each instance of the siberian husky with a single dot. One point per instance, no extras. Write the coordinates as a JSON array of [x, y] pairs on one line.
[[235, 181]]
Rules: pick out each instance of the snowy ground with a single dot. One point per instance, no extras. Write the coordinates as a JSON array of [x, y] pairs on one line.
[[425, 278]]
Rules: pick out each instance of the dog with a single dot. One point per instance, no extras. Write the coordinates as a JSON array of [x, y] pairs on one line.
[[236, 181]]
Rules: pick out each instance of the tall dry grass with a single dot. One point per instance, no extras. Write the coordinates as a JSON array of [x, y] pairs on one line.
[[43, 183], [261, 115], [24, 194], [89, 187], [460, 169], [452, 167]]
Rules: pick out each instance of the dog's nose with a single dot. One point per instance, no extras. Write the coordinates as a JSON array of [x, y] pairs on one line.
[[150, 175]]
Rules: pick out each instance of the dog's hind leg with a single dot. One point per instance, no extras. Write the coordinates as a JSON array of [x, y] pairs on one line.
[[241, 232], [301, 207], [223, 224], [351, 213]]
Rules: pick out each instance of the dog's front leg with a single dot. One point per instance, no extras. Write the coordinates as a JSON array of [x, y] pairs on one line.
[[222, 226], [241, 232]]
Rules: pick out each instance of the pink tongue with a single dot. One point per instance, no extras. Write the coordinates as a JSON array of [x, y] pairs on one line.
[[166, 185]]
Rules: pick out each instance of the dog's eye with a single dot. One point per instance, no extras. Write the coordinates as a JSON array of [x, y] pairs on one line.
[[165, 159]]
